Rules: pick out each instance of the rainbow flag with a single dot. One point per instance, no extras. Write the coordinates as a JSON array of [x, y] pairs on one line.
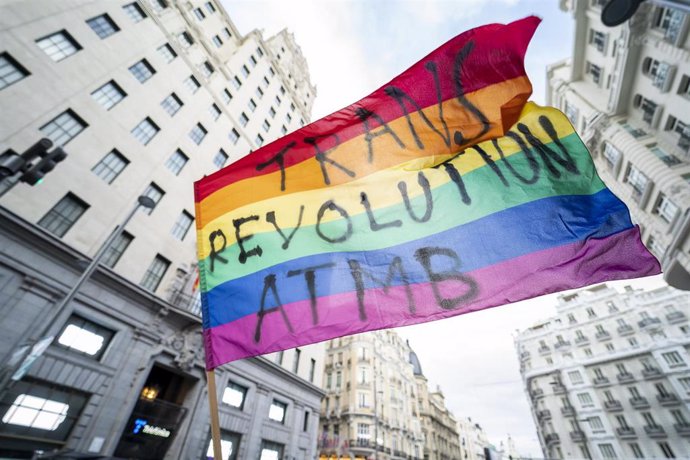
[[441, 193]]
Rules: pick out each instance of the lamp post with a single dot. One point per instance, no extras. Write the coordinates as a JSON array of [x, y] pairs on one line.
[[23, 363]]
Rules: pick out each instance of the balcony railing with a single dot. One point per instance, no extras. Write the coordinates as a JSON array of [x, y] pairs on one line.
[[675, 26], [626, 432], [655, 431], [536, 392], [648, 322], [625, 329], [544, 349], [668, 399], [558, 389], [682, 429], [613, 405], [625, 377], [544, 414], [563, 344], [186, 301], [600, 381], [602, 335], [581, 340], [568, 411], [639, 403], [651, 373], [525, 355], [676, 317], [552, 438], [578, 436]]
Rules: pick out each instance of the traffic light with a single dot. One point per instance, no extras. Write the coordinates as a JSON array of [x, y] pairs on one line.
[[11, 162], [34, 175]]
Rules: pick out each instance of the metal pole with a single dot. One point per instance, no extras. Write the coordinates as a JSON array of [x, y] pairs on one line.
[[56, 311], [376, 408]]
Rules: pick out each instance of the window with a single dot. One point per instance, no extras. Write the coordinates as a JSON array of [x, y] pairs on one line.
[[252, 105], [272, 112], [142, 70], [259, 92], [172, 104], [283, 129], [649, 419], [59, 45], [634, 132], [636, 451], [210, 8], [176, 162], [103, 26], [594, 71], [266, 125], [192, 84], [585, 399], [362, 400], [673, 359], [265, 82], [277, 411], [236, 82], [244, 119], [295, 362], [679, 418], [145, 131], [234, 395], [259, 51], [206, 69], [282, 90], [591, 313], [134, 12], [362, 375], [607, 451], [279, 357], [116, 249], [10, 71], [610, 347], [598, 39], [271, 451], [288, 117], [305, 424], [666, 450], [84, 336], [63, 215], [234, 136], [571, 112], [34, 412], [363, 431], [200, 16], [665, 208], [154, 274], [312, 370], [338, 379], [217, 41], [588, 352], [159, 5], [227, 33], [186, 39], [668, 158], [253, 60], [278, 101], [167, 52], [259, 140], [109, 95], [220, 158], [595, 424], [110, 166], [685, 384], [575, 377], [229, 445], [637, 180], [245, 71], [227, 96], [182, 225], [215, 111], [63, 128], [198, 133], [155, 193]]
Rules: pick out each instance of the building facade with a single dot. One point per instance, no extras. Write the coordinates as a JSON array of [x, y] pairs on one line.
[[609, 376], [145, 97], [473, 440], [371, 406], [626, 90]]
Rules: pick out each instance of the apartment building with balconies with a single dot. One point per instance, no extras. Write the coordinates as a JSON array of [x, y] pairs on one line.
[[609, 376], [626, 90]]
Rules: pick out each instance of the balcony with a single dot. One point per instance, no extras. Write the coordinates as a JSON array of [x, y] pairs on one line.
[[568, 411], [668, 399], [613, 405], [578, 436], [625, 377], [639, 403], [602, 335], [544, 350], [682, 429], [600, 381], [626, 432], [664, 76], [655, 431], [676, 317], [649, 322], [676, 25], [651, 373], [561, 345], [552, 438], [625, 330], [558, 389], [544, 415], [524, 355], [581, 340], [536, 393]]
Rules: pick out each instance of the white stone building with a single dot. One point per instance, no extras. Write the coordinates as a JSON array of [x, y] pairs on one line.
[[609, 376], [626, 90], [145, 97]]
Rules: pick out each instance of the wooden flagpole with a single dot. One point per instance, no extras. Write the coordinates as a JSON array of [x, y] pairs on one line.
[[213, 407]]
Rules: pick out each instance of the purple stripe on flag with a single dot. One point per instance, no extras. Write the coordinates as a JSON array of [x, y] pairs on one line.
[[619, 256]]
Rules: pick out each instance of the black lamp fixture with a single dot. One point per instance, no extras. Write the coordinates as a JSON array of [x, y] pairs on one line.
[[616, 12]]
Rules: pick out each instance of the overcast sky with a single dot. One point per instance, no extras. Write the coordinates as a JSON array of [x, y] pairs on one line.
[[354, 47]]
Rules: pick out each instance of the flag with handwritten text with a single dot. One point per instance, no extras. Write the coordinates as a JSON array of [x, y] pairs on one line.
[[441, 193]]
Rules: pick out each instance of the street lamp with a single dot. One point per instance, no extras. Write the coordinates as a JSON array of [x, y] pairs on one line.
[[22, 364]]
